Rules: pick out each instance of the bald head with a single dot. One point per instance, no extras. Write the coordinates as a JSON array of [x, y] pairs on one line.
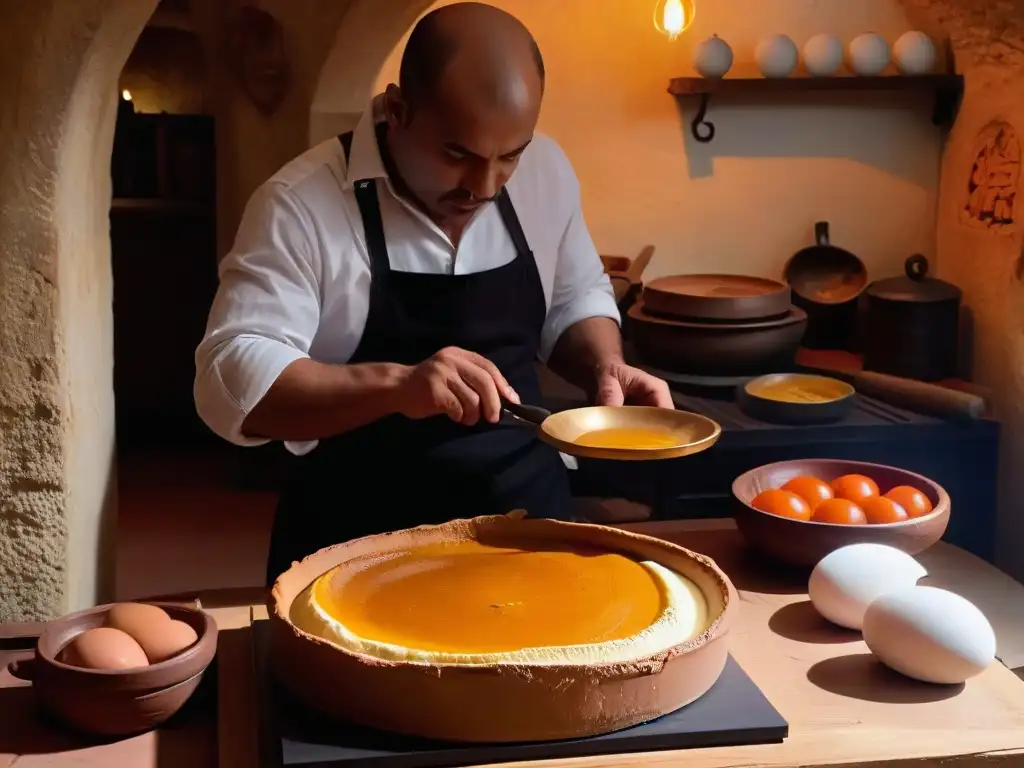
[[471, 51], [465, 108]]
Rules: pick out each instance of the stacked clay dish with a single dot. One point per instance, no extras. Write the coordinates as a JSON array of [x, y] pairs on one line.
[[800, 511], [713, 325]]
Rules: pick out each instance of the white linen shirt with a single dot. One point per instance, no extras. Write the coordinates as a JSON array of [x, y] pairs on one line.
[[296, 282]]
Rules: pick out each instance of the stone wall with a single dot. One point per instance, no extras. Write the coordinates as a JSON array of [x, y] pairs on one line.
[[58, 71], [983, 258], [60, 61]]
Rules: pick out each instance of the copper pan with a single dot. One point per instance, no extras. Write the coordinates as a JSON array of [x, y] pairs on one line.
[[694, 433]]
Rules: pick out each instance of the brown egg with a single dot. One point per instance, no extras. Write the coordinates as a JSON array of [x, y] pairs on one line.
[[104, 648], [137, 619], [162, 641]]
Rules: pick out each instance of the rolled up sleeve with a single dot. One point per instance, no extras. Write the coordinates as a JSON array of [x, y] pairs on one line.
[[265, 314], [581, 288]]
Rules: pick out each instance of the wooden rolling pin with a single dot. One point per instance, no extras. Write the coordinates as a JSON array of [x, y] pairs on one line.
[[918, 396]]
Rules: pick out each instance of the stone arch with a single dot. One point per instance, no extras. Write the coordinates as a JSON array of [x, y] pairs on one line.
[[59, 68], [367, 35], [60, 63]]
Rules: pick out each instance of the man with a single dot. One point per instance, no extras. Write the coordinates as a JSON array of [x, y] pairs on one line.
[[388, 288]]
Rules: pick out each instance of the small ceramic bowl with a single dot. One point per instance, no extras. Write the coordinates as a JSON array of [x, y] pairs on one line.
[[796, 398], [119, 702], [804, 544]]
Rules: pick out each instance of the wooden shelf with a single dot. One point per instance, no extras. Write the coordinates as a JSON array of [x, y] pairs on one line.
[[947, 91]]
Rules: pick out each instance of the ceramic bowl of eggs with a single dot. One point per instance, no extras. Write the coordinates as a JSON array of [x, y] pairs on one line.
[[797, 512], [122, 668]]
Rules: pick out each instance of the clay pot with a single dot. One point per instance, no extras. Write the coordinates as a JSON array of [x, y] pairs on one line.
[[538, 702], [804, 544], [716, 348], [120, 702]]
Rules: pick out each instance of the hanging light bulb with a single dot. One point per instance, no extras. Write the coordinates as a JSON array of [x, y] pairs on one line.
[[126, 95], [672, 17]]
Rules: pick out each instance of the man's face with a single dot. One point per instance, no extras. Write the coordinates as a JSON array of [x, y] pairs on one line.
[[454, 159]]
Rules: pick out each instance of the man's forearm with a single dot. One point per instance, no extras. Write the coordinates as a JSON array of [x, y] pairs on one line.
[[584, 349], [312, 401]]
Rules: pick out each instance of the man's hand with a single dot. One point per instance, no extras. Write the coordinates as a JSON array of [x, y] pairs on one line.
[[621, 384], [461, 384]]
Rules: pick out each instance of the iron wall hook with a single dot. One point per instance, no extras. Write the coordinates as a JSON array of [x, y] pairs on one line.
[[702, 129]]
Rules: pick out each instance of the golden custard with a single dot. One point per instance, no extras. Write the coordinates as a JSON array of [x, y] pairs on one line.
[[472, 598], [629, 438], [800, 389], [467, 602]]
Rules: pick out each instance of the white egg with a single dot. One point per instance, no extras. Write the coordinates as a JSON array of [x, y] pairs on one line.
[[869, 54], [776, 56], [914, 53], [845, 582], [823, 55], [713, 57], [930, 634]]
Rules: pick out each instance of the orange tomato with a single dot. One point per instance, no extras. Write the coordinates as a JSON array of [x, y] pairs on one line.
[[782, 503], [842, 511], [880, 510], [912, 500], [854, 487], [810, 489]]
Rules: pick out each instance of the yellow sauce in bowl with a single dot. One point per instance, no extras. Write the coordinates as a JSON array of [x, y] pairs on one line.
[[800, 389]]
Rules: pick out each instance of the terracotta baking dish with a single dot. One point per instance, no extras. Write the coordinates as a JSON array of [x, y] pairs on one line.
[[499, 702], [804, 544]]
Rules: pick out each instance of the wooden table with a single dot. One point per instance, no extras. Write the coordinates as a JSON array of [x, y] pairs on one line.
[[843, 708]]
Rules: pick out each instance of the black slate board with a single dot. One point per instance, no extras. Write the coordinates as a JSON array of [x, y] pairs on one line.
[[733, 712]]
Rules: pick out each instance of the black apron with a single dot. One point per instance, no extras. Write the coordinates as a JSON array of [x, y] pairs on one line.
[[397, 472]]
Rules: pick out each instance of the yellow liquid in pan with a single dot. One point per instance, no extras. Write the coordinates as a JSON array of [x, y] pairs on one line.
[[629, 438], [468, 597]]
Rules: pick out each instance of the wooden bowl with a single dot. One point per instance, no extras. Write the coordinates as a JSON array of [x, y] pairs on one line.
[[804, 544], [716, 349], [121, 702], [716, 297], [536, 701]]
